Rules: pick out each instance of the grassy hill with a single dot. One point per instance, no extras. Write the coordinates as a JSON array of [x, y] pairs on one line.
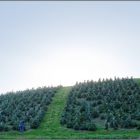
[[51, 128]]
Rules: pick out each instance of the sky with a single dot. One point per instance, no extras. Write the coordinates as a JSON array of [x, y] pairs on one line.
[[52, 43]]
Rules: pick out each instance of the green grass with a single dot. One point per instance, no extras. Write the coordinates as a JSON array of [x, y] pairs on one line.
[[50, 127]]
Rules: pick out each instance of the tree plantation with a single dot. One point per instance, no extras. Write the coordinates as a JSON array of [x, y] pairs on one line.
[[105, 105], [115, 104], [28, 106]]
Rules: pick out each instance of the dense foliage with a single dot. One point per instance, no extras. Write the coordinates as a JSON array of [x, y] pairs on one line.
[[114, 102], [28, 106]]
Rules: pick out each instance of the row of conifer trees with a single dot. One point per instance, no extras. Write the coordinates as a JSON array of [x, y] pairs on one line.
[[116, 102], [28, 106]]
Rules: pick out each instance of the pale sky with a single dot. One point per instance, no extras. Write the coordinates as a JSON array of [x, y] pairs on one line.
[[53, 43]]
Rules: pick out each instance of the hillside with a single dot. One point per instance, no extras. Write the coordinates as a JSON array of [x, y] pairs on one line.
[[27, 106], [108, 103], [50, 127]]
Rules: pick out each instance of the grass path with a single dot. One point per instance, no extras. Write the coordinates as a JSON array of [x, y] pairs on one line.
[[51, 120], [50, 127]]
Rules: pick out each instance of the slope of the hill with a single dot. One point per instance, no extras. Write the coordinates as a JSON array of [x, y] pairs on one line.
[[108, 104], [51, 128], [28, 106]]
